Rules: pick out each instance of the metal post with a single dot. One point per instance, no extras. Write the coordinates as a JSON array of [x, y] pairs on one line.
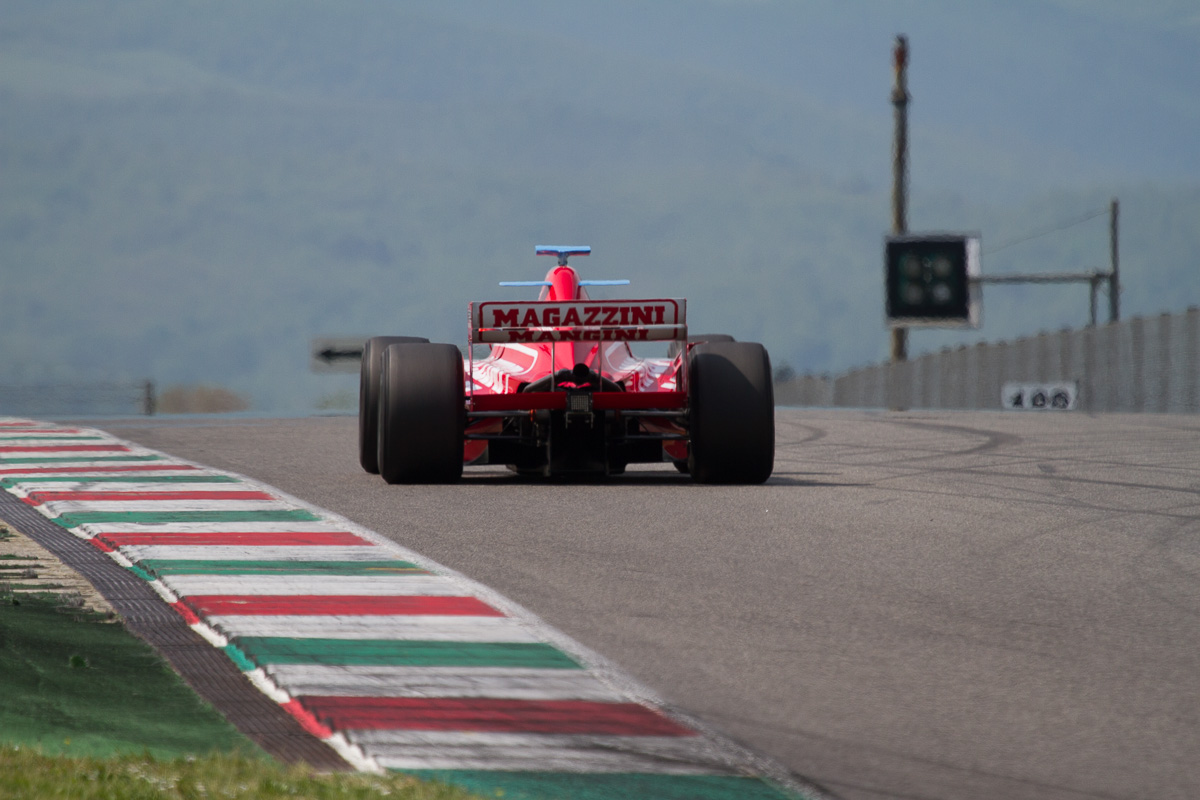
[[900, 99], [148, 400], [1094, 284], [1114, 275]]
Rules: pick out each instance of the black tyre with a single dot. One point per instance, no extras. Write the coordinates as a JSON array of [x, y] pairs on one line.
[[732, 413], [421, 414], [368, 397], [675, 347]]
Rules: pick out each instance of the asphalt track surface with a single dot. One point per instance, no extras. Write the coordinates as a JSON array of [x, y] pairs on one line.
[[916, 605]]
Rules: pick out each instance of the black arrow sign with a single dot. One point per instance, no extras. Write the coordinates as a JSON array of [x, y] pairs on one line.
[[331, 354]]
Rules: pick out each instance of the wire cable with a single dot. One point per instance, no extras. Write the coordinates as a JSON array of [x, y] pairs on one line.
[[1046, 232]]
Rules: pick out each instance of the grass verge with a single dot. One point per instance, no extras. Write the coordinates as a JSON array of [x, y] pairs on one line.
[[75, 684], [90, 712], [27, 774]]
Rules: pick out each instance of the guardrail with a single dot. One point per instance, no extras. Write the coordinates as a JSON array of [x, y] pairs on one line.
[[78, 399], [1149, 364]]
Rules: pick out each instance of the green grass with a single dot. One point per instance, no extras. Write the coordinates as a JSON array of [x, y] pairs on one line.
[[28, 774], [89, 711], [76, 684]]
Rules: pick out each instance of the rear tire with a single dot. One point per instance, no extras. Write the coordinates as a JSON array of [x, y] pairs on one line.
[[368, 397], [732, 413], [421, 414]]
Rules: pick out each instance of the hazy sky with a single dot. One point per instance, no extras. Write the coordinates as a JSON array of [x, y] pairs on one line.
[[194, 189]]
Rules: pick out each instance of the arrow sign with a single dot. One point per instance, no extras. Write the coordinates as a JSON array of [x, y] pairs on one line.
[[336, 353], [330, 354]]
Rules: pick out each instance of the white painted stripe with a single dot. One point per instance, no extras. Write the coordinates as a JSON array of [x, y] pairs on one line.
[[536, 761], [267, 686], [53, 436], [374, 586], [64, 447], [73, 450], [210, 635], [88, 466], [434, 628], [120, 559], [87, 470], [302, 526], [164, 591], [353, 754], [679, 755], [99, 485], [62, 507], [385, 737], [232, 553], [501, 682]]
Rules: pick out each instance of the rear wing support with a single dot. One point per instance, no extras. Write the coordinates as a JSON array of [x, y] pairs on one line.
[[563, 253]]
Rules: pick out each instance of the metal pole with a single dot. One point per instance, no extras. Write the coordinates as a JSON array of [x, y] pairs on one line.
[[1114, 276], [900, 99], [1094, 285], [148, 401]]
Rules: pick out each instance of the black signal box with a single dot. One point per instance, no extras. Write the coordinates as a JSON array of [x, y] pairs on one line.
[[929, 280]]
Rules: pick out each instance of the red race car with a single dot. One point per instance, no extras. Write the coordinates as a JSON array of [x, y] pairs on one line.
[[561, 393]]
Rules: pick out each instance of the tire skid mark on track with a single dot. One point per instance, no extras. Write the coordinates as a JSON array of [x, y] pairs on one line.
[[782, 441], [992, 439], [275, 584], [911, 466], [942, 765], [1051, 498], [1174, 543]]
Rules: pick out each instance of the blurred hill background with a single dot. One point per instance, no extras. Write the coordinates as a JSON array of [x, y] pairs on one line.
[[191, 191]]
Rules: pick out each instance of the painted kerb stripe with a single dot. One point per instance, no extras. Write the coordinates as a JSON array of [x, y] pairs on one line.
[[440, 675]]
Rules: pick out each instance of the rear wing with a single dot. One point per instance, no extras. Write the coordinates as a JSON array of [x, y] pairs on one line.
[[663, 320]]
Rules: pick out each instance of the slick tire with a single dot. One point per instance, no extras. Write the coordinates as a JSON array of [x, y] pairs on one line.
[[368, 397], [421, 414], [732, 413], [675, 347]]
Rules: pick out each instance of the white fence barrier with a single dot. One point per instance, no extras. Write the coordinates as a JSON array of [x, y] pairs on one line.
[[1142, 364]]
